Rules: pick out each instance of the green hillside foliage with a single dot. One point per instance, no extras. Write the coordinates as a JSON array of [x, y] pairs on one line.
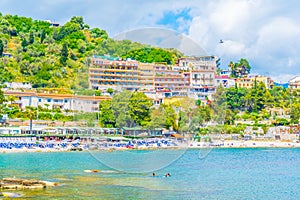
[[58, 57]]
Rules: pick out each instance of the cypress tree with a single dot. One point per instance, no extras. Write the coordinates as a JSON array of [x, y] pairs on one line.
[[64, 54], [31, 38], [1, 48]]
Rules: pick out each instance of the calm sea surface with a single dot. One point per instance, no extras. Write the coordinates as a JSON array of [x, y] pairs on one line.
[[223, 174]]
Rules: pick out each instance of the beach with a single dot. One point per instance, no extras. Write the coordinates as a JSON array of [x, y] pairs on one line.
[[20, 145], [245, 144]]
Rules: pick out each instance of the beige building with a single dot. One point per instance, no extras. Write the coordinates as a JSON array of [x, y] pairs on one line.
[[193, 75], [115, 74], [248, 82], [146, 76]]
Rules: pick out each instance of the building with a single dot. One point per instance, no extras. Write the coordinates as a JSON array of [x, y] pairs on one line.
[[18, 85], [294, 83], [115, 74], [248, 82], [168, 80], [62, 101], [192, 76], [202, 75], [225, 81], [52, 24], [225, 72], [141, 132], [6, 54], [146, 76]]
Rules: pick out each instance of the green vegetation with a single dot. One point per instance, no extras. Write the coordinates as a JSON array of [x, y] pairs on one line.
[[58, 57], [239, 69], [150, 55]]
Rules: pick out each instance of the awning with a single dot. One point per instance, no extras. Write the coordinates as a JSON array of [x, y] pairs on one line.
[[176, 135]]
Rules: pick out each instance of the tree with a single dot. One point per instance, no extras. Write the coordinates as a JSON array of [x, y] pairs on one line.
[[30, 113], [255, 99], [31, 38], [11, 99], [24, 44], [1, 48], [219, 105], [79, 21], [204, 114], [110, 91], [120, 106], [140, 106], [170, 117], [97, 33], [235, 98], [295, 113], [64, 54], [157, 119], [2, 97], [106, 118], [239, 69], [183, 122], [43, 36]]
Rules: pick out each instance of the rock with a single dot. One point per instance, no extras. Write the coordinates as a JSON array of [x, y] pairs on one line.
[[16, 184]]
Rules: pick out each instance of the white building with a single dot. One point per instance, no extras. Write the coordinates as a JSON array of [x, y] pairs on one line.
[[62, 101], [202, 75], [294, 83], [18, 85], [225, 81]]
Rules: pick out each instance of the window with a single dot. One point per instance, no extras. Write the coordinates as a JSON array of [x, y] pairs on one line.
[[48, 100], [40, 100], [66, 101]]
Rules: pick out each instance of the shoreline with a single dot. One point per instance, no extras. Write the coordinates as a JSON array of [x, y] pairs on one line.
[[194, 145], [246, 144]]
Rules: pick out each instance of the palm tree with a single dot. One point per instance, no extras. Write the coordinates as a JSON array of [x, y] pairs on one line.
[[31, 114]]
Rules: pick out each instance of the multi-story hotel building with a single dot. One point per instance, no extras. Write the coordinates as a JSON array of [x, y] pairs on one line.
[[202, 74], [191, 75], [115, 74], [168, 79], [147, 76]]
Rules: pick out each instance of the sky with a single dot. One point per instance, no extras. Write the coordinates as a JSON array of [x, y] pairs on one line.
[[265, 32]]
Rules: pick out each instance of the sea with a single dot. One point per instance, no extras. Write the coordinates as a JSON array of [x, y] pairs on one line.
[[220, 173]]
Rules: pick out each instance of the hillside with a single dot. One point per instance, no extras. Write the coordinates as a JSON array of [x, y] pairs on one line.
[[35, 51]]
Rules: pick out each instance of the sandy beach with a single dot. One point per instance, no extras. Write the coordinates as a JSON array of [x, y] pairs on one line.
[[245, 144]]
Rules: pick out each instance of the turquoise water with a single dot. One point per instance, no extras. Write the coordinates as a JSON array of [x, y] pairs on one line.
[[223, 174]]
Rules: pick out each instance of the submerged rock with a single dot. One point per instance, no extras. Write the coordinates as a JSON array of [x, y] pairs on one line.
[[20, 184]]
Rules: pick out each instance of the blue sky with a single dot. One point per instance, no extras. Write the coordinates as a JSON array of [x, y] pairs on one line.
[[266, 32]]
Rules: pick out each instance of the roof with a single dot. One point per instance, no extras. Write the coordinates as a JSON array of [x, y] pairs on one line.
[[295, 79], [55, 96]]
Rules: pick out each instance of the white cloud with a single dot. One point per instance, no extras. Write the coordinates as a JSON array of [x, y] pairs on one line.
[[264, 31]]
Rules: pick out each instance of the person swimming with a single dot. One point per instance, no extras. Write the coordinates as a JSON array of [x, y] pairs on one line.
[[153, 174], [168, 175]]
